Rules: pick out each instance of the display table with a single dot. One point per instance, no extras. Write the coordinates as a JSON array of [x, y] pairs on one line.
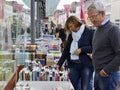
[[45, 85]]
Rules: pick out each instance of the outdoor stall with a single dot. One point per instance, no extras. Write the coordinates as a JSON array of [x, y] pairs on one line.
[[40, 71]]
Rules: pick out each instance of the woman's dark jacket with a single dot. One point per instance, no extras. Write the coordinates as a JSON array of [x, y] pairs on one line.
[[85, 43]]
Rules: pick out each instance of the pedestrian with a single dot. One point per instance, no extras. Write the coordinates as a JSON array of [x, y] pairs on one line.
[[46, 29], [106, 48], [79, 43], [61, 32]]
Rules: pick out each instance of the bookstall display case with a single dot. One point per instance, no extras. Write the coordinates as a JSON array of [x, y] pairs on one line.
[[34, 68], [42, 73]]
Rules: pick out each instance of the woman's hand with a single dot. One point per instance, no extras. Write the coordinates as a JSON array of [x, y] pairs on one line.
[[57, 67], [78, 51]]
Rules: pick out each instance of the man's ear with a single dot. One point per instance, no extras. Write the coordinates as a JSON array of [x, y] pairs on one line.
[[103, 13]]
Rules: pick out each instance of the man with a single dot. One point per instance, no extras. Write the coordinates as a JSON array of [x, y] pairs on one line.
[[106, 49], [61, 32]]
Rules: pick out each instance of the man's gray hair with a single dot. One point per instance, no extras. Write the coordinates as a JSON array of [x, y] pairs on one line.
[[97, 5]]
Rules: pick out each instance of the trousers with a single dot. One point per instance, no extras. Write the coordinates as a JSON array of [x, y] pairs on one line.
[[81, 77], [107, 83]]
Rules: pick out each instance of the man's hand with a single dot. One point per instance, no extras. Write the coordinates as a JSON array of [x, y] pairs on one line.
[[103, 73]]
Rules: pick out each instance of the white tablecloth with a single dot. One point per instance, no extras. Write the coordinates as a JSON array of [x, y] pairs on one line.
[[46, 85]]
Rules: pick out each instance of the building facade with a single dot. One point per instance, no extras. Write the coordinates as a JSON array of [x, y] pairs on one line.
[[112, 11]]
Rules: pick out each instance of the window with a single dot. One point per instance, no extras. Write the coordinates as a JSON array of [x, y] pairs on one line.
[[117, 22], [108, 8]]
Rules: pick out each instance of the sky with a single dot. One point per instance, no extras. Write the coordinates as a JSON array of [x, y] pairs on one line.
[[63, 2]]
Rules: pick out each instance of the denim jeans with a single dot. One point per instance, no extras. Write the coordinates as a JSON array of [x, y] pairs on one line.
[[106, 83], [81, 77]]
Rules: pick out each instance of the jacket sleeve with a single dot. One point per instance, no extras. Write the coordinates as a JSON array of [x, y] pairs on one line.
[[114, 65], [88, 48], [66, 52]]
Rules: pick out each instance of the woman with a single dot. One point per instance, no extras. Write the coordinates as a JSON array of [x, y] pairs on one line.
[[79, 44]]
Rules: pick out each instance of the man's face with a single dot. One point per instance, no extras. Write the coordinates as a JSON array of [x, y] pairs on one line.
[[96, 17], [59, 26]]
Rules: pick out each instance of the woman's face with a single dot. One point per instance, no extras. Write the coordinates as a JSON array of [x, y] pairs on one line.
[[73, 27]]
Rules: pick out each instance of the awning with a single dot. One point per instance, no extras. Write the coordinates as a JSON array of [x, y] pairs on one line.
[[20, 2]]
